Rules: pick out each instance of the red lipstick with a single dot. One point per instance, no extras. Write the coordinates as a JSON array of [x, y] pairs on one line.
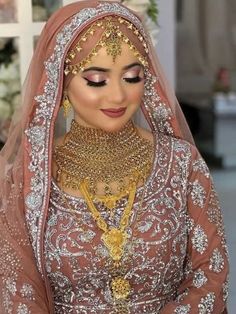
[[114, 113]]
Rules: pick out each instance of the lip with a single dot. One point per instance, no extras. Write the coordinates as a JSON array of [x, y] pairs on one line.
[[114, 113]]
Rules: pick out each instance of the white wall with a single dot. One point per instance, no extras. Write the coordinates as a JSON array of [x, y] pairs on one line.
[[166, 38]]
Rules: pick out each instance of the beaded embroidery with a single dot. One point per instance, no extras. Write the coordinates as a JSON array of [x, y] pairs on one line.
[[199, 279]]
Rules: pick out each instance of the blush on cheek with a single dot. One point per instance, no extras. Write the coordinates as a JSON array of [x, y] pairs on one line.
[[137, 95], [83, 97]]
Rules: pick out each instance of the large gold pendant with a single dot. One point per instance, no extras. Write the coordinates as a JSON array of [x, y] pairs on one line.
[[115, 239], [120, 288]]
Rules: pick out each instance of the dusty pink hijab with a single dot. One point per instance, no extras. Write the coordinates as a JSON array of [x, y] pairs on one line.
[[25, 161]]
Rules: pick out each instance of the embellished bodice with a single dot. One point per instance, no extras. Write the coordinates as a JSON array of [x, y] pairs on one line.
[[77, 262]]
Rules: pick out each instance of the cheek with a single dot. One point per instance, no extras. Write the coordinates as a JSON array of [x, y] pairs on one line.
[[136, 94], [82, 97]]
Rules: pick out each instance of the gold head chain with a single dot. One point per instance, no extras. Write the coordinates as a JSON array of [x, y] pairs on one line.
[[112, 39]]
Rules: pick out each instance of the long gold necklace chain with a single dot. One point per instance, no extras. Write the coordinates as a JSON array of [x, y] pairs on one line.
[[113, 238], [114, 241]]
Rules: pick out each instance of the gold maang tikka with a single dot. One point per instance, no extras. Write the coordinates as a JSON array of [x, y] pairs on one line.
[[112, 39]]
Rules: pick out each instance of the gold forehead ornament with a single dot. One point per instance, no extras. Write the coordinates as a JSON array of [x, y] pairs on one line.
[[112, 39]]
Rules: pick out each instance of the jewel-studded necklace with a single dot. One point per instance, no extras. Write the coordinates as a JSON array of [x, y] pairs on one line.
[[106, 161]]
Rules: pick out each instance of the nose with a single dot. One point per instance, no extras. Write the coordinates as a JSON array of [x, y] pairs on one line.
[[116, 93]]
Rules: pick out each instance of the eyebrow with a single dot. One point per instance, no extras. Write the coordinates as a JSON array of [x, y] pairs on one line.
[[98, 69]]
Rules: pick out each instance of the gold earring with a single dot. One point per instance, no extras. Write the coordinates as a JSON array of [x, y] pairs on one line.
[[66, 105]]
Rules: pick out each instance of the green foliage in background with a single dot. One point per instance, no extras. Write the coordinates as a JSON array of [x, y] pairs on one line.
[[153, 11]]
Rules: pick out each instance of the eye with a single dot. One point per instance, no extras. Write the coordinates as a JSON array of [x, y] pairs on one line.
[[133, 80], [95, 84]]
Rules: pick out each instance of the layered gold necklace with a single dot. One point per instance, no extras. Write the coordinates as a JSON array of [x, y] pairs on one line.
[[108, 162], [106, 167]]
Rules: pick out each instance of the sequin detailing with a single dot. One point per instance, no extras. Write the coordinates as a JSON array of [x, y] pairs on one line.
[[226, 289], [216, 261], [199, 279], [27, 292], [200, 165], [215, 217], [198, 194], [207, 304], [188, 268], [199, 239], [183, 309], [23, 309], [159, 113], [11, 285], [10, 265]]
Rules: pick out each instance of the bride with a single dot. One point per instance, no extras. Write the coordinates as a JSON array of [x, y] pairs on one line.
[[99, 215]]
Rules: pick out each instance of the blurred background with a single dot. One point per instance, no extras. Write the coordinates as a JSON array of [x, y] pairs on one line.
[[196, 43]]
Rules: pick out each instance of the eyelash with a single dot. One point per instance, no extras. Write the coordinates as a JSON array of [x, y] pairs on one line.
[[132, 80], [95, 84]]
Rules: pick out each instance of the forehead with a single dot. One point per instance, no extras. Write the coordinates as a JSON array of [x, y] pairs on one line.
[[103, 59]]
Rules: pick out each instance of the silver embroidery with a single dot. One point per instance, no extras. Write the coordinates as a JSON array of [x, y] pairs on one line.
[[189, 223], [226, 289], [10, 267], [198, 194], [215, 217], [87, 236], [33, 201], [36, 136], [27, 292], [183, 309], [11, 285], [180, 147], [188, 270], [199, 239], [182, 295], [156, 109], [162, 113], [23, 309], [200, 165], [216, 261], [199, 278], [144, 226], [207, 304]]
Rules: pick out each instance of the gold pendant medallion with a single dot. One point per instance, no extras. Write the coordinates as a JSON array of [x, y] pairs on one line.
[[120, 288], [114, 240]]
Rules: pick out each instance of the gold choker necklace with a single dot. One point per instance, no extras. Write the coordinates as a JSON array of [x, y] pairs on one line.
[[107, 162]]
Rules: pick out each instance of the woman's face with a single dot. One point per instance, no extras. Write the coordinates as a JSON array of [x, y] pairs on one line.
[[107, 94]]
